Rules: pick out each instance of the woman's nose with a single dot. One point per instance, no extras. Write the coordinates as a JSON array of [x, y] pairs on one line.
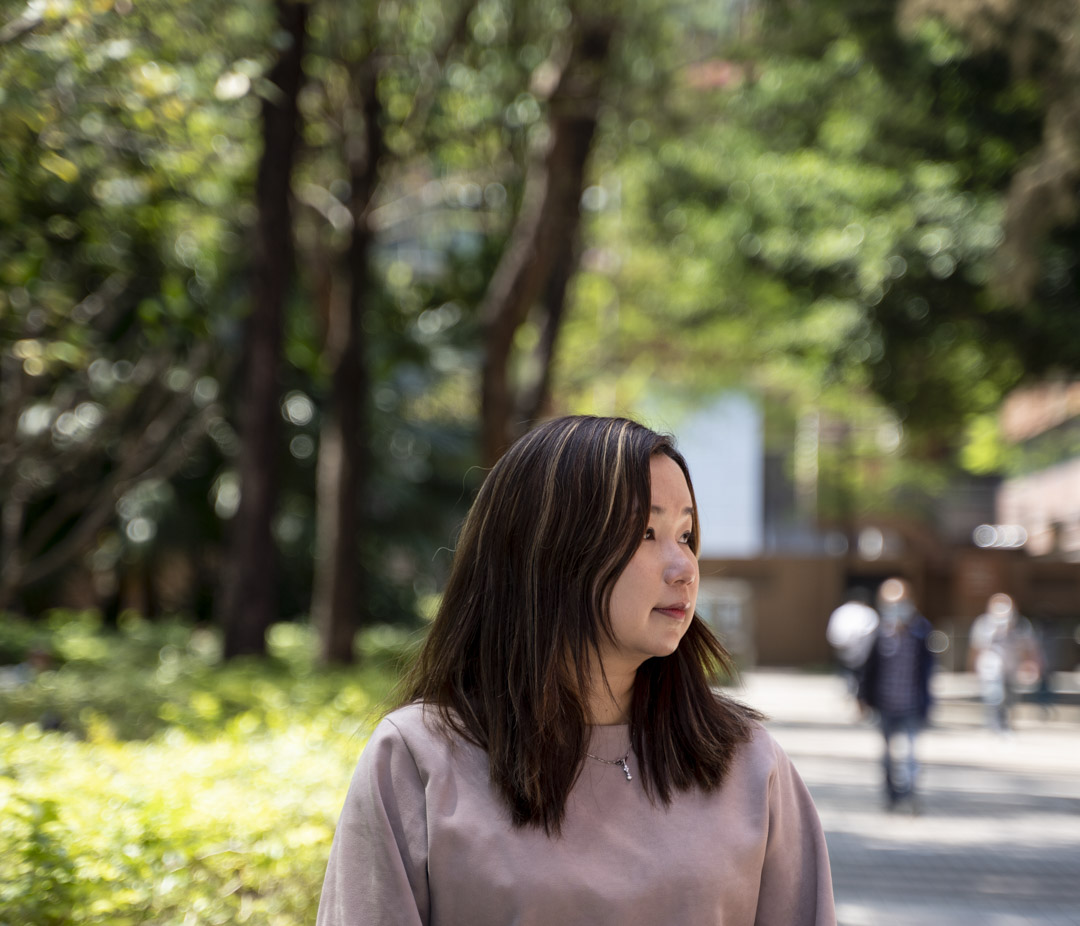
[[681, 568]]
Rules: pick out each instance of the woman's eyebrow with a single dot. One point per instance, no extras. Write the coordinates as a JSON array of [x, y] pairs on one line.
[[656, 509]]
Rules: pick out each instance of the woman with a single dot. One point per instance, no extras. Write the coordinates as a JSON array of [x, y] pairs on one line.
[[561, 756]]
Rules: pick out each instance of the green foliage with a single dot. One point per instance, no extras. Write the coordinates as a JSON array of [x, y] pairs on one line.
[[794, 198], [127, 151], [130, 140], [234, 830], [814, 210], [985, 450], [18, 639], [807, 207], [222, 814], [148, 676]]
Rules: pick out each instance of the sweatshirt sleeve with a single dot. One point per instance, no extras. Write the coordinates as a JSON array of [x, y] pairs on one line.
[[377, 872], [796, 881]]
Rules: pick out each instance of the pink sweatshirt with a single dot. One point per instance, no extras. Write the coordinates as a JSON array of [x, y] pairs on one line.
[[424, 839]]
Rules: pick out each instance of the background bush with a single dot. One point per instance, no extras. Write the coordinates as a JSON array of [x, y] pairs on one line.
[[174, 791]]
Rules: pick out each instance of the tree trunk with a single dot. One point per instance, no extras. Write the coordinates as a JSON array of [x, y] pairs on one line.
[[542, 253], [250, 596], [12, 516], [535, 400], [343, 467]]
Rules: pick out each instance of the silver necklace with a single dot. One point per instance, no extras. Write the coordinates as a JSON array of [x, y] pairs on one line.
[[622, 762]]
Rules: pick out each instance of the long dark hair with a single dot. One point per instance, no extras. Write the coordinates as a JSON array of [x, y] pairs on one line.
[[526, 608]]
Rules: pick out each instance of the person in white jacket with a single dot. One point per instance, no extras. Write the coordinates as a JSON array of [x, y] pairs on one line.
[[1005, 655], [850, 632]]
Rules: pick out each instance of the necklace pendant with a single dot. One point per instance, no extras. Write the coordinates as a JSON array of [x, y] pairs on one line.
[[620, 762]]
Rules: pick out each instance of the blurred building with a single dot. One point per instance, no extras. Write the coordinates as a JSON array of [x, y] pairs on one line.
[[1043, 422], [775, 563]]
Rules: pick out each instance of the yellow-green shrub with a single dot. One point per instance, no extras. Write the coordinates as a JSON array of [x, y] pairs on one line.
[[222, 814], [175, 830]]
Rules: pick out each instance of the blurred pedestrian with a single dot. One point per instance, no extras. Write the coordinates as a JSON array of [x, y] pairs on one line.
[[850, 633], [1044, 687], [563, 754], [895, 683], [1004, 653]]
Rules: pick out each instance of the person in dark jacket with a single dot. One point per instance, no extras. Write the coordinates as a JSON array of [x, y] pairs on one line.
[[896, 684]]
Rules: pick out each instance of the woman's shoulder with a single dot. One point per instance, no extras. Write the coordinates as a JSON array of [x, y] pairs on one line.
[[416, 723], [762, 745], [758, 751], [407, 717], [424, 730]]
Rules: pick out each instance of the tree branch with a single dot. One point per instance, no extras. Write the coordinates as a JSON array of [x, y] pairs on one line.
[[150, 459], [425, 96]]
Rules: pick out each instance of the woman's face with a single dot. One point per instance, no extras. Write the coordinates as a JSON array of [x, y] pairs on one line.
[[653, 600]]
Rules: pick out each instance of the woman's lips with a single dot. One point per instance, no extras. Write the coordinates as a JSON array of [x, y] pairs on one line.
[[676, 611]]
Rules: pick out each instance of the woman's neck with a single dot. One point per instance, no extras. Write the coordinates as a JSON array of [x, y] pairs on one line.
[[609, 703]]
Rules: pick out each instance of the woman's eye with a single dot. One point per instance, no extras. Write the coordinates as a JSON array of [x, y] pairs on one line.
[[685, 537], [650, 534]]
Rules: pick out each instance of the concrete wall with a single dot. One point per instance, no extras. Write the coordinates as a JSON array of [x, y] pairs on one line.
[[790, 599]]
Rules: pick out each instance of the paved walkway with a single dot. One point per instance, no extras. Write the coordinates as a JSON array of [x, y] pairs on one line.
[[996, 841]]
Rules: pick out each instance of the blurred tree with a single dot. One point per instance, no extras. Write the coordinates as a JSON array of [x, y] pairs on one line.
[[1041, 42], [828, 194], [429, 100], [969, 138], [798, 197], [249, 597], [541, 255], [117, 233], [343, 470], [363, 67], [396, 124]]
